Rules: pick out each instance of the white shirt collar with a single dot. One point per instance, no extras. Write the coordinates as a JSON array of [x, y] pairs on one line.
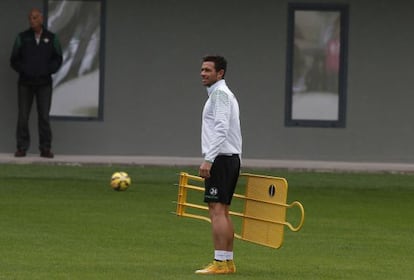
[[37, 37], [213, 87]]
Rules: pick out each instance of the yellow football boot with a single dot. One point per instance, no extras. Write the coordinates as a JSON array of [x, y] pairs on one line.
[[231, 266], [216, 267]]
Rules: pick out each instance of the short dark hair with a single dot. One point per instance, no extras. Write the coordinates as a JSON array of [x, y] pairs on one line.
[[220, 63]]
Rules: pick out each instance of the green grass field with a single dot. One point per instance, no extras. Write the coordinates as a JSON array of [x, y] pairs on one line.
[[64, 222]]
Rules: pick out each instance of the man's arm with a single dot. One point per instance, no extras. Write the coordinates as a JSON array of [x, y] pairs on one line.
[[221, 105], [56, 61], [15, 59]]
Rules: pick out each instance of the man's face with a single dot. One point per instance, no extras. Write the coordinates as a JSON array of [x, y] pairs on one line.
[[209, 75], [35, 19]]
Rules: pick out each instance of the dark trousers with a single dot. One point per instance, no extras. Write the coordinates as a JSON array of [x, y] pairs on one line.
[[26, 95]]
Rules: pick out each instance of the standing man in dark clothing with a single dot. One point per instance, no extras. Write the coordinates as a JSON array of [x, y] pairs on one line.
[[36, 56]]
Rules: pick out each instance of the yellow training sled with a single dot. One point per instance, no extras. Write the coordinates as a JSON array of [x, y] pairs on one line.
[[264, 203]]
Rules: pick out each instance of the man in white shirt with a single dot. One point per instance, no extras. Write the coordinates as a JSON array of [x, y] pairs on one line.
[[221, 143]]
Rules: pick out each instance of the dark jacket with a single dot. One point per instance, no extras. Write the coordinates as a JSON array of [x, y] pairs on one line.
[[34, 62]]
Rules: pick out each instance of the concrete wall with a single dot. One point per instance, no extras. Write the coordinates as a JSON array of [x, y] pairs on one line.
[[153, 95]]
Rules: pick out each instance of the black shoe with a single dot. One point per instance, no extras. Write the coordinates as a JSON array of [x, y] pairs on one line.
[[46, 154], [20, 153]]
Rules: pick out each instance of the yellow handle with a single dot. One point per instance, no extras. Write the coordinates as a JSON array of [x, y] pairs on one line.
[[302, 218]]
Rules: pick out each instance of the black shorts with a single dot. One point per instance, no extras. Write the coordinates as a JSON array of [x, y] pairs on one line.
[[224, 174]]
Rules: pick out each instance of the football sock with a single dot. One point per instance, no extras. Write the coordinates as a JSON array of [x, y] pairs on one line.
[[229, 255], [220, 255]]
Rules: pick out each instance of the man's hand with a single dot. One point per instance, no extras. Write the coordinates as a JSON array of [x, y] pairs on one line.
[[204, 170]]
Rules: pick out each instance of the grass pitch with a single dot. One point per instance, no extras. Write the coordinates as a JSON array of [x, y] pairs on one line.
[[64, 222]]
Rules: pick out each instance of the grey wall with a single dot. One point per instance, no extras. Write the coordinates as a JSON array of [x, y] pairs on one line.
[[153, 95]]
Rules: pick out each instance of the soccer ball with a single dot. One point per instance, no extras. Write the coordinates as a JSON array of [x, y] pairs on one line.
[[120, 181]]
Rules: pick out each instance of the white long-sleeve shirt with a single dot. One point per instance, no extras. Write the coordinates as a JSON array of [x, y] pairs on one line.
[[220, 130]]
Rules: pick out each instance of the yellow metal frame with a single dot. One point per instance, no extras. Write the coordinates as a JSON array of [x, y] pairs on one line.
[[264, 215]]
